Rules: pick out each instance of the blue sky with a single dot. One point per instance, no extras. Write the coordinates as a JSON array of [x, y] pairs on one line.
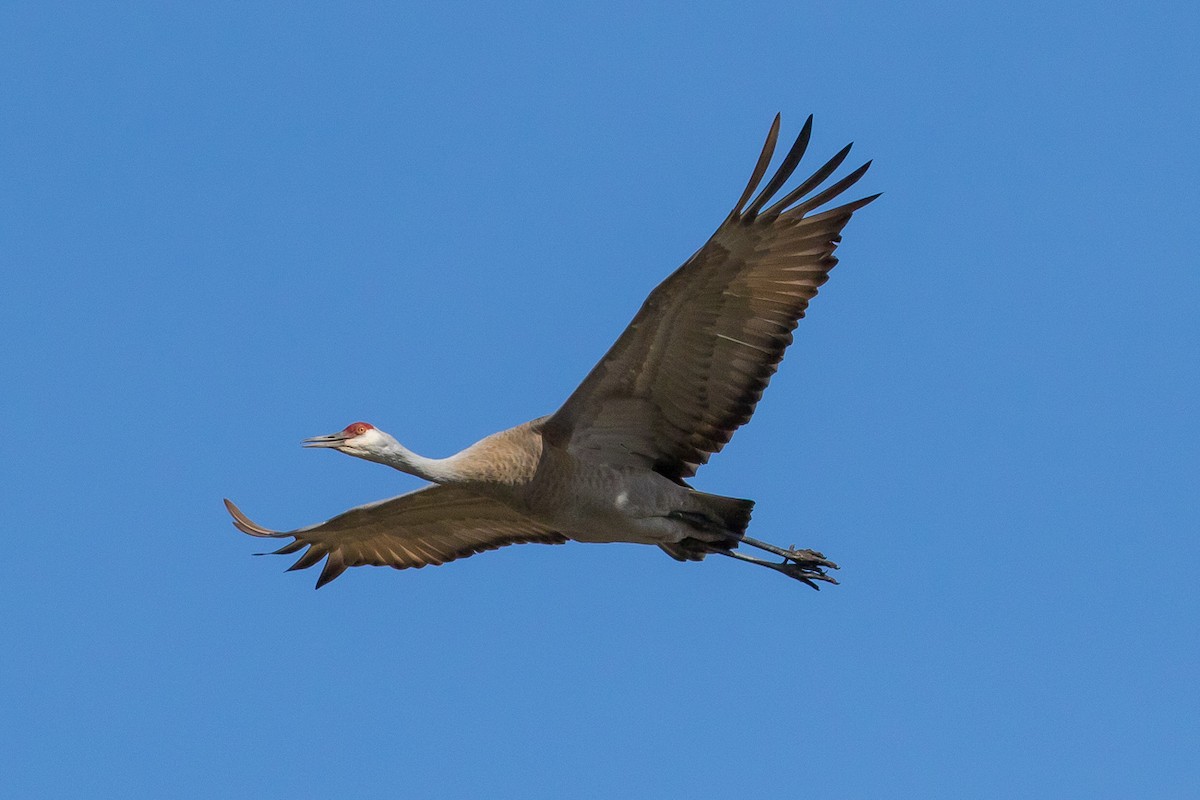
[[226, 227]]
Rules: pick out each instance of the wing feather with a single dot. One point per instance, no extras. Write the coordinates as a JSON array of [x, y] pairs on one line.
[[790, 162], [693, 364], [760, 168], [433, 525]]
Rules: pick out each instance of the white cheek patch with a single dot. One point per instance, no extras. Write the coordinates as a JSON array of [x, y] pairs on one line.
[[623, 501]]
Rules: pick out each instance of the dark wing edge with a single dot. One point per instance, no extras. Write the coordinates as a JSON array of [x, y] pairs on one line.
[[414, 553], [785, 228], [786, 206]]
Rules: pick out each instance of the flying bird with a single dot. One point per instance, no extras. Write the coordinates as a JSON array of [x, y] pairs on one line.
[[611, 465]]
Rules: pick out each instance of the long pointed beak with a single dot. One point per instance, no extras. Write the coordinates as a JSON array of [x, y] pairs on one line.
[[332, 440]]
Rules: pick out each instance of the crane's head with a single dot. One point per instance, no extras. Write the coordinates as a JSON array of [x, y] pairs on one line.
[[360, 439]]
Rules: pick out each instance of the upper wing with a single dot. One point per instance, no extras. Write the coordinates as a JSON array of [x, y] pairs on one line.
[[690, 368], [432, 525]]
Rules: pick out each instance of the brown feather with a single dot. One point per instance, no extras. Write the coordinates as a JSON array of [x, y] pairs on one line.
[[433, 525], [813, 181], [790, 161], [760, 168]]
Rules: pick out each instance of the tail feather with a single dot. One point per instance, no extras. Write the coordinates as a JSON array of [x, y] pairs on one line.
[[733, 512], [720, 522]]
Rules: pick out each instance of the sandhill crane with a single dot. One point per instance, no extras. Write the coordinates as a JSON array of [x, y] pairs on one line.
[[611, 464]]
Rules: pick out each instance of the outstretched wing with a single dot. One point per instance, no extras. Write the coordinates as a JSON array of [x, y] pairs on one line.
[[691, 367], [432, 525]]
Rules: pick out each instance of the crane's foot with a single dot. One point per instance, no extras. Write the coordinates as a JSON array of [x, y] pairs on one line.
[[808, 558], [805, 557], [806, 566], [806, 574]]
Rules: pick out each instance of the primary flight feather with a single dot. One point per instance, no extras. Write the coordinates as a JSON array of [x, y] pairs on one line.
[[610, 465]]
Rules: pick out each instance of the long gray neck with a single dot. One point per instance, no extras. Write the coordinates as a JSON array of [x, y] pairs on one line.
[[397, 456]]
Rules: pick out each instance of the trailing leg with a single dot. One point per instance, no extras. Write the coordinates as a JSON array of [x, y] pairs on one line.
[[720, 528], [807, 571], [791, 553]]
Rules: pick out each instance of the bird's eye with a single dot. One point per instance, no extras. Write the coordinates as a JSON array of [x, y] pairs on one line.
[[359, 430]]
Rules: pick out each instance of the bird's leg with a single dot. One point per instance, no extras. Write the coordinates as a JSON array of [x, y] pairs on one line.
[[800, 570], [804, 557]]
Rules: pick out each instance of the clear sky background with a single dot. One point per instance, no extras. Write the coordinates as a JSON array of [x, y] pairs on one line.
[[226, 227]]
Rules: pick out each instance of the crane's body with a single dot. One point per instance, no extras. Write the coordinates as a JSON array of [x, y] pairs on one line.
[[611, 464], [583, 499], [596, 502]]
